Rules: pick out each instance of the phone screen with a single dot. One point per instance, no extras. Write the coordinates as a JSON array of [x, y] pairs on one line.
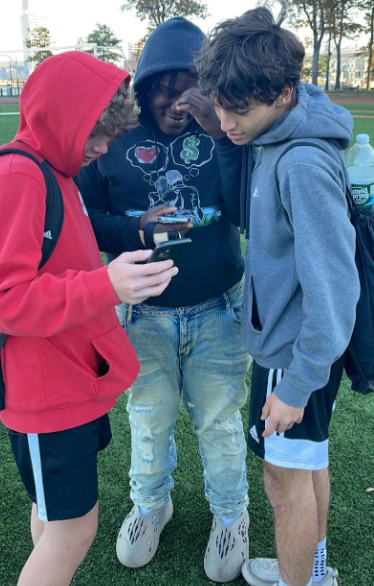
[[173, 249], [173, 219]]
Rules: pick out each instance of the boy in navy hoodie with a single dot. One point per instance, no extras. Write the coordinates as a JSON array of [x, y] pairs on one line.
[[63, 359], [188, 339], [301, 285]]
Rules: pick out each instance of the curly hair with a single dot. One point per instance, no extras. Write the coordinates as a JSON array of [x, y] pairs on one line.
[[120, 115], [249, 57]]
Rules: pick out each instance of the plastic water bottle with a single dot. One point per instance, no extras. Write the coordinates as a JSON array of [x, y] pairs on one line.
[[360, 163]]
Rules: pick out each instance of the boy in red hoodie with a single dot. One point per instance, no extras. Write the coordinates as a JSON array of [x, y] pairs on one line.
[[66, 358]]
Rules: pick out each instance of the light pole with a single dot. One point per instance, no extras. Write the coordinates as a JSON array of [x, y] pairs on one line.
[[17, 75], [10, 79]]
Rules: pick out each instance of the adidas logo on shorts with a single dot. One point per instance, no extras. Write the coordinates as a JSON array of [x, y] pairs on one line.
[[254, 434]]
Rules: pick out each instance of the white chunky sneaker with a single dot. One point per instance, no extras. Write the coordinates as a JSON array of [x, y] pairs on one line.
[[261, 572], [138, 538], [265, 572], [330, 579], [227, 549]]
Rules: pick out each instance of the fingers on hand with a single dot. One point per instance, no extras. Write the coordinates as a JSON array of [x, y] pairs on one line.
[[265, 412], [153, 287], [163, 208], [154, 291], [275, 426], [269, 429], [132, 257], [155, 268], [159, 278]]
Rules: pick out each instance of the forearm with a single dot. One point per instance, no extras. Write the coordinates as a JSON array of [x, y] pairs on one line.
[[48, 304], [114, 233]]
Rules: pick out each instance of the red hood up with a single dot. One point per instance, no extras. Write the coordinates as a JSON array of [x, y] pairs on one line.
[[61, 103]]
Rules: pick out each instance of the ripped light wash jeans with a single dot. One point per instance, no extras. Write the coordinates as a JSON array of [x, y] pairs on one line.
[[195, 351]]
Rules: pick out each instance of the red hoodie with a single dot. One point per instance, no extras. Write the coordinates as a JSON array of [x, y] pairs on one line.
[[61, 322]]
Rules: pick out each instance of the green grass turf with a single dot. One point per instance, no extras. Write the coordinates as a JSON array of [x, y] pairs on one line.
[[179, 561], [9, 124], [8, 107], [8, 128], [367, 107], [363, 125]]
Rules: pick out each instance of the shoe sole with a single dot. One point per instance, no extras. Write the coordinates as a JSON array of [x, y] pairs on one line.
[[254, 580], [329, 580]]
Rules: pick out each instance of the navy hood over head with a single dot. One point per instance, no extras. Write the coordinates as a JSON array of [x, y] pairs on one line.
[[171, 46], [147, 167]]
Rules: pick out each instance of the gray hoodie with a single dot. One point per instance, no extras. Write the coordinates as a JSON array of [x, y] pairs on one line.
[[300, 267]]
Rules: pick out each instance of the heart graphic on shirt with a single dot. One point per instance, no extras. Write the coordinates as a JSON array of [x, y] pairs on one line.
[[146, 155]]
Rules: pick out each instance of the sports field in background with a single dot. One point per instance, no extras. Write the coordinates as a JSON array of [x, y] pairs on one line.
[[360, 104], [179, 561]]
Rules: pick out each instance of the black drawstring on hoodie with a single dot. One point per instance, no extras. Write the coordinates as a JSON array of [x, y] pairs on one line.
[[245, 194]]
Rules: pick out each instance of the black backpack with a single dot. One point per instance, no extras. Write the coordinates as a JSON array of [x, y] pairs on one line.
[[359, 356], [54, 217]]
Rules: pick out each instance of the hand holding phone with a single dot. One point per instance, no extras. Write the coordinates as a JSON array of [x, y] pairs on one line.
[[134, 281], [173, 249]]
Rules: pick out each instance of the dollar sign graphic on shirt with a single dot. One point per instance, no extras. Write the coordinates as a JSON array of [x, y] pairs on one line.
[[190, 151]]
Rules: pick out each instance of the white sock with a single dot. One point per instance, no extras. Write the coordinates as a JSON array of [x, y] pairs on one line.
[[319, 563]]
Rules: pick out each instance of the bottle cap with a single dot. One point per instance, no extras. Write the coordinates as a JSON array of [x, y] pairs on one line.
[[362, 138]]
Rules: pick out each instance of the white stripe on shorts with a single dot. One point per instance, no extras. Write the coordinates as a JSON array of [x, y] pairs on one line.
[[292, 453], [33, 440]]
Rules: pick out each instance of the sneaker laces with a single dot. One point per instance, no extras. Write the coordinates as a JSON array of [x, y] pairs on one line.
[[270, 565]]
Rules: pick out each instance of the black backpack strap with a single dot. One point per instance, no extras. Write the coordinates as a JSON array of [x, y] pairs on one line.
[[54, 217], [2, 384]]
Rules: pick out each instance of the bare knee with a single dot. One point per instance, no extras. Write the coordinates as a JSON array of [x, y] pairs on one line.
[[285, 485], [86, 535], [73, 538], [86, 529]]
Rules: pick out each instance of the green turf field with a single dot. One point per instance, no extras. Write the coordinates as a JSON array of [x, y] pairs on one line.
[[8, 128], [9, 124], [367, 107], [179, 561], [364, 125]]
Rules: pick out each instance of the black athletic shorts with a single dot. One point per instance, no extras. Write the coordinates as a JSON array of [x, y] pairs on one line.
[[59, 469], [305, 445]]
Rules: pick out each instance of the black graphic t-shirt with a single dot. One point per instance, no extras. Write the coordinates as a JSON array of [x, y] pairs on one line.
[[146, 168]]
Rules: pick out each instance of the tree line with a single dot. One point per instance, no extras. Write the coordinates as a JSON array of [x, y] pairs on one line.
[[330, 22], [333, 21]]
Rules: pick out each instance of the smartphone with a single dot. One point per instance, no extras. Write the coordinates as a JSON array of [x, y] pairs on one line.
[[173, 219], [173, 249]]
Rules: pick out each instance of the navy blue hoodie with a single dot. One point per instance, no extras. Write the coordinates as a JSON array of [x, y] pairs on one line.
[[146, 168]]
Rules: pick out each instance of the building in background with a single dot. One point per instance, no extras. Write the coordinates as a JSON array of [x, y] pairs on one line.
[[353, 68], [29, 21], [134, 51]]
